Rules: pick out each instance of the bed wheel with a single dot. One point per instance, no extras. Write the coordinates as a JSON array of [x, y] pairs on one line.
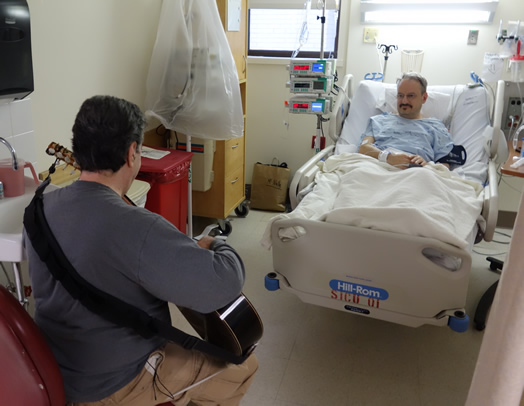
[[271, 282], [459, 322]]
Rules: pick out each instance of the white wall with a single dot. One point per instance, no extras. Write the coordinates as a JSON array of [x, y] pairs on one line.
[[448, 59], [16, 127], [84, 48]]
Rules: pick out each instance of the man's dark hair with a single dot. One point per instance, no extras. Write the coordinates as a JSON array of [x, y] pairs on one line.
[[104, 129], [415, 76]]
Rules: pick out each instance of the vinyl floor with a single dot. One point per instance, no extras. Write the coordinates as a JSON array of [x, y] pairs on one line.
[[313, 356]]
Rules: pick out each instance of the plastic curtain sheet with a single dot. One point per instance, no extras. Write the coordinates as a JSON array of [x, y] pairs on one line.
[[499, 374], [192, 84]]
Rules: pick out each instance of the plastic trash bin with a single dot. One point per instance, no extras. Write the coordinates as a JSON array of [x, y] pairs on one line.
[[167, 171], [138, 192]]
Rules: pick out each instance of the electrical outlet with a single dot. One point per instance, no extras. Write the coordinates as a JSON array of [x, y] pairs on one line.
[[370, 34], [473, 37], [514, 110]]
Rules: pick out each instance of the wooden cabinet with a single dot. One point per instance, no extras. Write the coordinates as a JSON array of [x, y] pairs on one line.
[[228, 188]]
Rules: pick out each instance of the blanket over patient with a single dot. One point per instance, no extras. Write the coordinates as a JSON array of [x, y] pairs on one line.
[[357, 190]]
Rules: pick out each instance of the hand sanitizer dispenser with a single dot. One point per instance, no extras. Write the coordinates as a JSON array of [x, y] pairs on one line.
[[16, 68]]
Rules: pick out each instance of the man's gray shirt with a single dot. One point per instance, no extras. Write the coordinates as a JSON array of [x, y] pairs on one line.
[[135, 255]]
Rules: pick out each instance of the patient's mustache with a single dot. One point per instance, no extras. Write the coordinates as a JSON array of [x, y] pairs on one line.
[[406, 105]]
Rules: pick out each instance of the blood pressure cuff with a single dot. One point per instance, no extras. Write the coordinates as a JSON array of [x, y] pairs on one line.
[[457, 156]]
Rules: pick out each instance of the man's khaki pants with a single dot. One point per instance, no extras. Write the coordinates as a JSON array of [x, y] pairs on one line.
[[177, 369]]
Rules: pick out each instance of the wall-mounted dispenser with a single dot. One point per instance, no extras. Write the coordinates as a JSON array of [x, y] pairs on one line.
[[16, 68]]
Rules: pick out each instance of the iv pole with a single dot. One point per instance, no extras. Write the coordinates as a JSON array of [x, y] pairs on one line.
[[319, 118], [388, 49]]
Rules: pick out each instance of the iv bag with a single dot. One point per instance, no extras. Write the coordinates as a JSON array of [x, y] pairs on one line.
[[304, 30], [192, 85]]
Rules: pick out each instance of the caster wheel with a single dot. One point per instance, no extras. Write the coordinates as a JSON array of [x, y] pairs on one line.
[[271, 282], [242, 210], [226, 228], [459, 322], [480, 326]]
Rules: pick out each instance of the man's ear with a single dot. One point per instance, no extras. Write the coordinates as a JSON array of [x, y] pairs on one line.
[[424, 97], [131, 153]]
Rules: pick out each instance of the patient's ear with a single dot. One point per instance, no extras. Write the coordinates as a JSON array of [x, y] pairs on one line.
[[424, 97]]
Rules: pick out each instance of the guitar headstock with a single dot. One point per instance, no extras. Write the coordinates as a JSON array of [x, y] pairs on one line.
[[62, 153]]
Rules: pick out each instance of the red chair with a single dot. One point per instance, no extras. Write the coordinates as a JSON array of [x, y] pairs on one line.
[[29, 374]]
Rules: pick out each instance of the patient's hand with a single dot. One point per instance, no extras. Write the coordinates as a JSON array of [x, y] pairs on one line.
[[400, 161], [405, 161]]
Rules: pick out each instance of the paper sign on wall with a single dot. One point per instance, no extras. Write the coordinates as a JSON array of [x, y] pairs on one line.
[[233, 15], [492, 68]]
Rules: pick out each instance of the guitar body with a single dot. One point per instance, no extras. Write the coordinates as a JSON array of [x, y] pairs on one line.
[[236, 327]]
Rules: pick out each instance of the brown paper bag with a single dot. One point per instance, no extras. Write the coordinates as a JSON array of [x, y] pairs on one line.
[[269, 186]]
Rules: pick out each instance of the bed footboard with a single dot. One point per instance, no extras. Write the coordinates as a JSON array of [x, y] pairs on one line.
[[373, 273]]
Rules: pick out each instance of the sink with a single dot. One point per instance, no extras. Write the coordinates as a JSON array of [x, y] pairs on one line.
[[11, 222]]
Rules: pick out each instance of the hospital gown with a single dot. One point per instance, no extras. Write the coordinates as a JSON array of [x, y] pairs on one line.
[[427, 137]]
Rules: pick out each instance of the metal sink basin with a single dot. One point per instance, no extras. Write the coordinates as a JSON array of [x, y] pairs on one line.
[[11, 222]]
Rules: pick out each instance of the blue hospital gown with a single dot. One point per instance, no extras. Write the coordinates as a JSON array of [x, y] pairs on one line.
[[427, 137]]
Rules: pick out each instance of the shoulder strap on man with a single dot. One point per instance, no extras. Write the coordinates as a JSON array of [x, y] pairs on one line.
[[105, 305]]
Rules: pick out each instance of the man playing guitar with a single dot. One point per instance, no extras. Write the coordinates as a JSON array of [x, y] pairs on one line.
[[140, 258]]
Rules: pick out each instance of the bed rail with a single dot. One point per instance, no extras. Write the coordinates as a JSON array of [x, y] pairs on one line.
[[341, 107], [306, 174], [498, 152]]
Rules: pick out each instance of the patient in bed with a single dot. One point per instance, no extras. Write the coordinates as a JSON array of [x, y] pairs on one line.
[[407, 139]]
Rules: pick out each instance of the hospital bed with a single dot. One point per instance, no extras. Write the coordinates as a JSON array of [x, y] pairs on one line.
[[409, 279]]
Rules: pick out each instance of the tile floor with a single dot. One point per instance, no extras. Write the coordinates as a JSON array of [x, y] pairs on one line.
[[312, 356]]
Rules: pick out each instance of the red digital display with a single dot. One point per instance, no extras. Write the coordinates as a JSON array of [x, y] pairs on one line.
[[301, 67], [300, 105]]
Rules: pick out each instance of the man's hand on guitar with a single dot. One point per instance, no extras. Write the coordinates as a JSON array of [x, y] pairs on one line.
[[205, 242]]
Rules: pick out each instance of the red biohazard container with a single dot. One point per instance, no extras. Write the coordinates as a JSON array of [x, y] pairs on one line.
[[168, 176]]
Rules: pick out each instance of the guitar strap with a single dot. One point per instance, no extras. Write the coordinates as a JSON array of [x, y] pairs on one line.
[[105, 305]]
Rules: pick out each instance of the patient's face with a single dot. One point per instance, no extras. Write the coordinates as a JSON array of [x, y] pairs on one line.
[[410, 99]]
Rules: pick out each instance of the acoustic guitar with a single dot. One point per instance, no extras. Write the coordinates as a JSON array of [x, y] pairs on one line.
[[236, 327]]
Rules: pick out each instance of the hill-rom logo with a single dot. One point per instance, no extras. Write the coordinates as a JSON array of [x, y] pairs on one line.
[[356, 289]]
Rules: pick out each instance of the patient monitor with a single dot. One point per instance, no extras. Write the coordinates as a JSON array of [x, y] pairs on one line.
[[312, 83]]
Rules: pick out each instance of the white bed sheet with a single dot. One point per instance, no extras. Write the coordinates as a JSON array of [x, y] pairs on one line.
[[358, 190]]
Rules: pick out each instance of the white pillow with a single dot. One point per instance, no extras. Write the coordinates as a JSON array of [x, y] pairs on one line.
[[438, 105], [372, 98], [469, 120], [362, 107]]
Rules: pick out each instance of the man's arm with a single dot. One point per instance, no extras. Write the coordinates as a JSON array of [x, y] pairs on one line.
[[401, 161], [367, 147]]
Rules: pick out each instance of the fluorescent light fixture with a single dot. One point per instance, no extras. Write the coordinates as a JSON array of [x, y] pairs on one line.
[[427, 11]]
